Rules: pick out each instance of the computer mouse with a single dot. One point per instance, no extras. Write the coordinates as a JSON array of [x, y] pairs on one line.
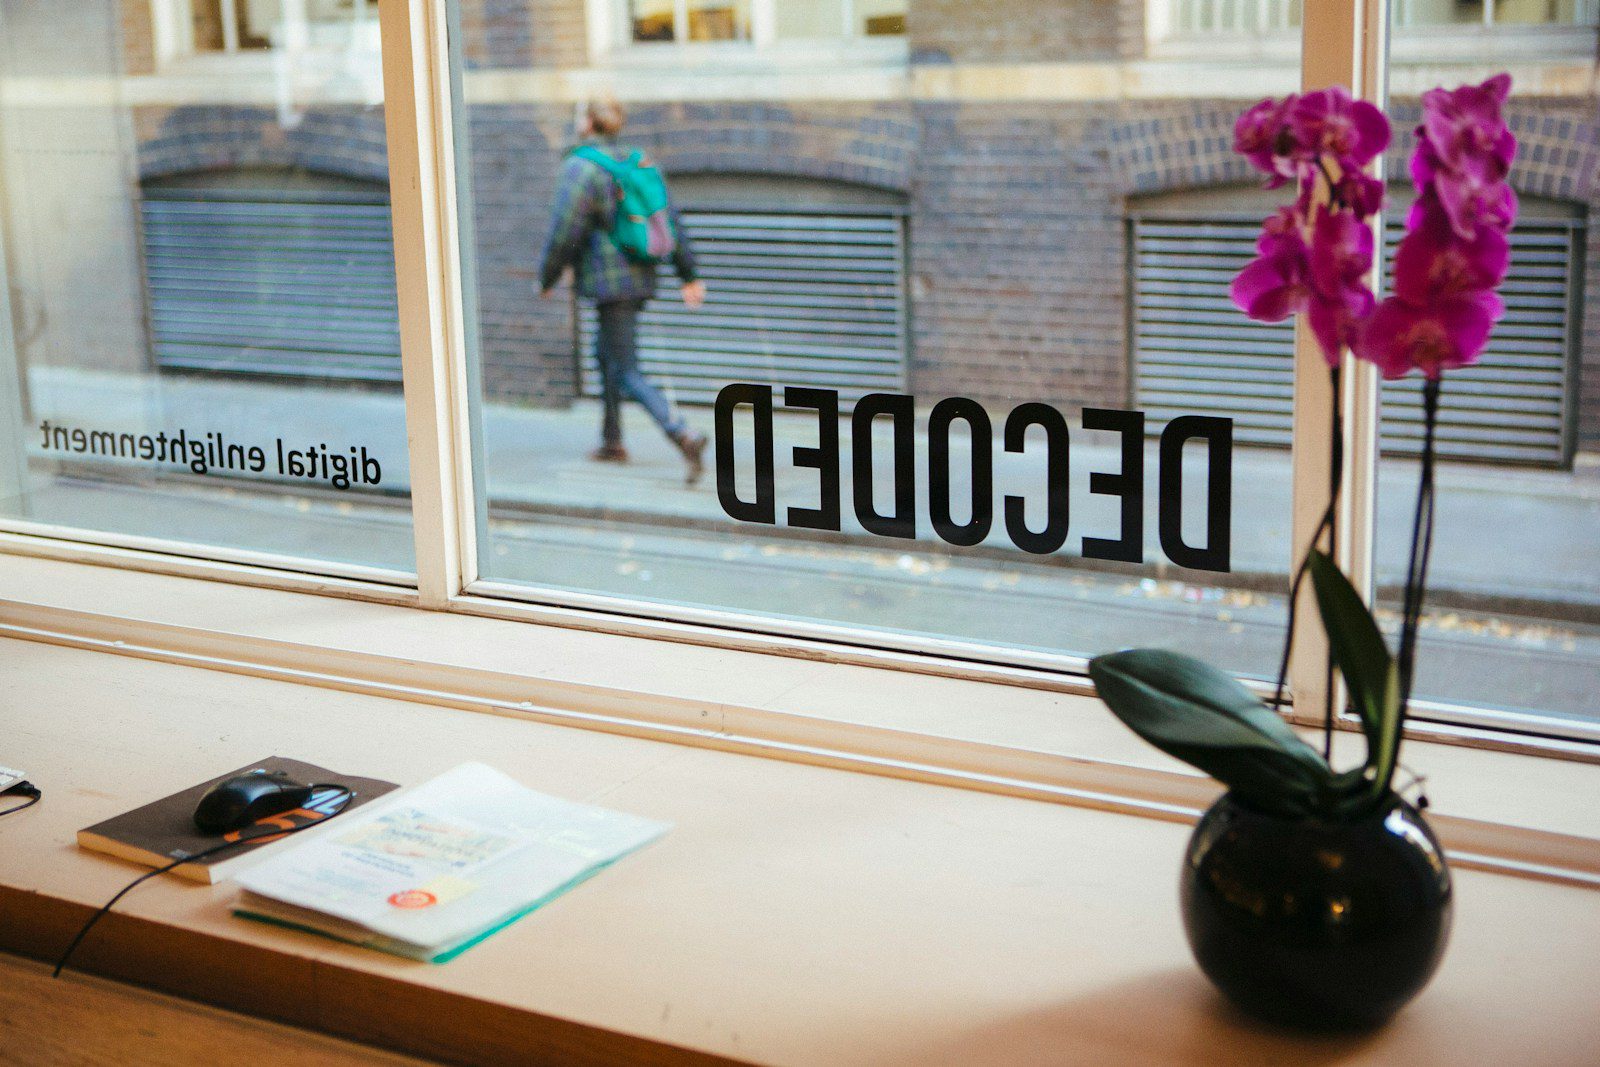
[[239, 801]]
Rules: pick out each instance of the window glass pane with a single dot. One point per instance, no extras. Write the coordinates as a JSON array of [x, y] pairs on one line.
[[1029, 256], [1437, 12], [653, 20], [1546, 12], [1513, 596], [880, 18], [719, 20], [201, 340]]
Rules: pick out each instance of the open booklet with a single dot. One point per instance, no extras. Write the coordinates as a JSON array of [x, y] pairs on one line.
[[428, 872]]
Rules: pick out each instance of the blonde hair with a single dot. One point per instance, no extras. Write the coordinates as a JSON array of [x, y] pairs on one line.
[[606, 116]]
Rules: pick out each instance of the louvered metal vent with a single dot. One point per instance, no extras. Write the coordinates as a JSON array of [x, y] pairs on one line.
[[1194, 352], [297, 283], [795, 299]]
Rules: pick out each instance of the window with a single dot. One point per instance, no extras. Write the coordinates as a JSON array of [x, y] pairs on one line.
[[920, 429], [1266, 16], [652, 21], [206, 360], [202, 26], [969, 381]]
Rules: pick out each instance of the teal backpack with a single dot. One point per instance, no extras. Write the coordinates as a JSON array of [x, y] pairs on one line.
[[643, 230]]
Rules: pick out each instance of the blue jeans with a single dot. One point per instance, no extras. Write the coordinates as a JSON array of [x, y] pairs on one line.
[[616, 352]]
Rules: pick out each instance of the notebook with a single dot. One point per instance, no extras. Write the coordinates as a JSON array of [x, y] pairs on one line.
[[163, 831], [430, 871]]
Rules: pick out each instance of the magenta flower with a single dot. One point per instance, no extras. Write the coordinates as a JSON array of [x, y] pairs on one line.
[[1277, 283], [1433, 260], [1262, 136], [1341, 250], [1432, 337], [1330, 122], [1336, 318], [1361, 193], [1465, 126]]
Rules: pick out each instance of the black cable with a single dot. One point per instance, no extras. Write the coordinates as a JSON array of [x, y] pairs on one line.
[[274, 831], [27, 789]]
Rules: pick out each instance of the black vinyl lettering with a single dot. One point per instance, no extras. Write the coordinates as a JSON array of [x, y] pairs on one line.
[[824, 458], [764, 509], [903, 522], [1218, 435], [981, 483], [1057, 454], [1127, 483]]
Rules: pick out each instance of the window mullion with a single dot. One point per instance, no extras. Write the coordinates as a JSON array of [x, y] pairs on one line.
[[1342, 44], [427, 277]]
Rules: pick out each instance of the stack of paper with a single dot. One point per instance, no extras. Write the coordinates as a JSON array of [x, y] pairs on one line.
[[428, 872]]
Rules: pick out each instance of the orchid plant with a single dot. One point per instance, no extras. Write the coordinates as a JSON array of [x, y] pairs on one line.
[[1315, 258]]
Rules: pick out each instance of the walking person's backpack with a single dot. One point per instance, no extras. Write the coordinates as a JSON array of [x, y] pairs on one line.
[[643, 231]]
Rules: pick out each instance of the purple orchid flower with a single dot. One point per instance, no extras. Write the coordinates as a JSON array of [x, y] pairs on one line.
[[1277, 283], [1432, 337], [1262, 136], [1330, 122], [1465, 126], [1338, 261], [1433, 260]]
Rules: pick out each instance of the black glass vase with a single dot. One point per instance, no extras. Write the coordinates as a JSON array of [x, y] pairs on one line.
[[1313, 924]]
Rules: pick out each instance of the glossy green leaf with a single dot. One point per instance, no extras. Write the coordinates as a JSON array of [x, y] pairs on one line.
[[1355, 643], [1386, 750], [1201, 715]]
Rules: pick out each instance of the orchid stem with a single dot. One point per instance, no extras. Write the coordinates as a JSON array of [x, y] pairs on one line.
[[1325, 525], [1421, 549]]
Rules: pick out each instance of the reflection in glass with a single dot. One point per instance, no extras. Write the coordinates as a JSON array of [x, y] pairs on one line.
[[653, 20], [1514, 589], [719, 20], [854, 242], [208, 351]]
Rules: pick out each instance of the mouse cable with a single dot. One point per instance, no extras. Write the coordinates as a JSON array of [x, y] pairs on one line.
[[344, 801], [26, 789]]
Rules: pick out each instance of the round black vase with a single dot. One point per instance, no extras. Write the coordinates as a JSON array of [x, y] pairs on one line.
[[1316, 924]]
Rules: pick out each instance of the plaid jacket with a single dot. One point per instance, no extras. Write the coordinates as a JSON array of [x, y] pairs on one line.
[[580, 224]]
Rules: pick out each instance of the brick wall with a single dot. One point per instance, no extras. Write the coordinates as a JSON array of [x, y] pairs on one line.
[[345, 141], [1024, 31], [499, 33]]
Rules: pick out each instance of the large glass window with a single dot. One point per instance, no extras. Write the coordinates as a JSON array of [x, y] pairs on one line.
[[199, 343], [913, 378], [1512, 617]]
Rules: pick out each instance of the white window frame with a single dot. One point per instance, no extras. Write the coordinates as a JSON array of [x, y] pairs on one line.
[[419, 89]]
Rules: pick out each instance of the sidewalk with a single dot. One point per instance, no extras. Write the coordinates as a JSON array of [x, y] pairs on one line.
[[1520, 540]]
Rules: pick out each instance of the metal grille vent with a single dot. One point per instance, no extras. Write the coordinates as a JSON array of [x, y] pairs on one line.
[[795, 299], [298, 284], [1194, 352]]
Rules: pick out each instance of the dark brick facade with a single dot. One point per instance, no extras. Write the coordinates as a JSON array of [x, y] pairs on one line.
[[347, 142], [1024, 31], [1016, 210]]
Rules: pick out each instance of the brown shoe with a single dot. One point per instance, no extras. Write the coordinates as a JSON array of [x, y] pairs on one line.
[[693, 447], [609, 454]]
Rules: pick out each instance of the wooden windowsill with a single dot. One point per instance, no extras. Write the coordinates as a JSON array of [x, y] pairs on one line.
[[795, 915]]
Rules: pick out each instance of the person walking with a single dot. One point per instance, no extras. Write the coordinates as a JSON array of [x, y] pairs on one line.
[[612, 223]]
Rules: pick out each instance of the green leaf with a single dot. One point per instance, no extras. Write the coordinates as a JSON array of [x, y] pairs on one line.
[[1201, 715], [1386, 751], [1355, 643]]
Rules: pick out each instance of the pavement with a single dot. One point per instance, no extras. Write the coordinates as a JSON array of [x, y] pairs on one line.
[[1514, 619]]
